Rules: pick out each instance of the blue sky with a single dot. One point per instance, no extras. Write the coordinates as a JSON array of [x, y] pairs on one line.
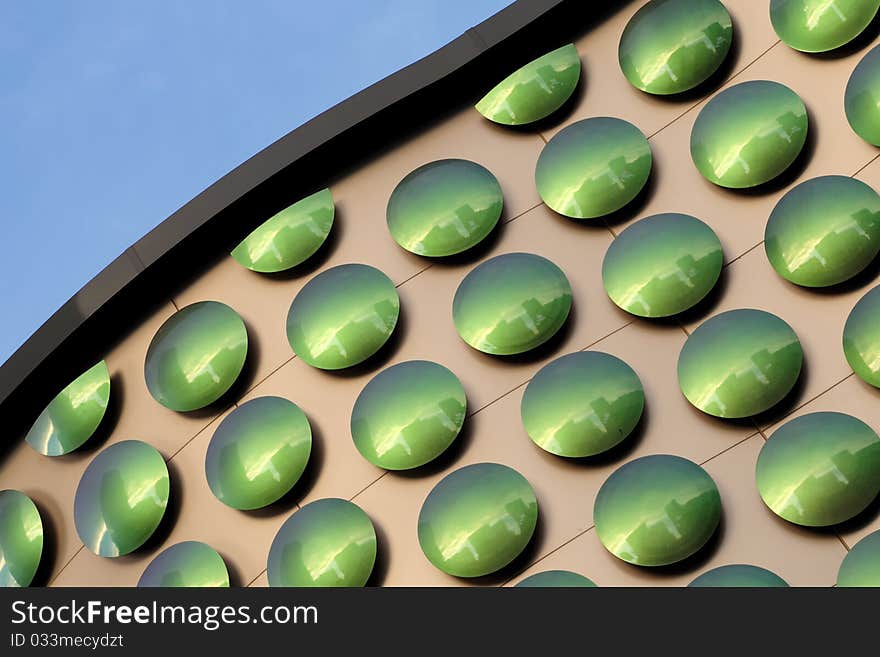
[[116, 112]]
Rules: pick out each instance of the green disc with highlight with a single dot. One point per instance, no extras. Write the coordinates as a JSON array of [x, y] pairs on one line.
[[187, 564], [739, 575], [861, 338], [861, 565], [862, 98], [820, 25], [556, 579], [21, 539]]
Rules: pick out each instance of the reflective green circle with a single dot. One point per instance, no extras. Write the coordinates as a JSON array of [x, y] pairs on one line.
[[330, 542], [819, 469], [656, 510], [861, 565], [670, 46], [121, 498], [289, 237], [861, 338], [196, 356], [662, 265], [748, 134], [187, 564], [862, 98], [739, 363], [444, 207], [511, 303], [258, 452], [593, 167], [534, 91], [408, 414], [820, 25], [824, 231], [556, 579], [342, 316], [582, 404], [73, 415], [21, 539], [739, 575], [477, 519]]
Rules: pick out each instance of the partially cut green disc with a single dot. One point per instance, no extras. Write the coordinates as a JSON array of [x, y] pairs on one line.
[[861, 338], [861, 565], [738, 576], [187, 564], [820, 25], [21, 539], [556, 579], [862, 98]]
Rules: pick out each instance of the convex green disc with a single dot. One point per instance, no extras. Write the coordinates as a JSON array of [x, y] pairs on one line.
[[21, 539], [862, 98], [861, 338], [739, 575], [820, 25], [187, 564], [556, 579], [861, 565]]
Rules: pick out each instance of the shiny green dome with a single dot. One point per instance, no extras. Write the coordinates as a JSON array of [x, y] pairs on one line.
[[740, 576], [289, 237], [477, 519], [73, 415], [196, 356], [656, 510], [444, 207], [408, 414], [329, 542], [121, 498], [187, 564], [861, 565], [511, 303], [739, 363], [670, 46], [342, 316], [862, 98], [819, 469], [21, 539], [556, 579], [820, 25], [662, 265], [582, 404], [861, 338], [258, 452], [748, 134], [593, 167], [534, 91]]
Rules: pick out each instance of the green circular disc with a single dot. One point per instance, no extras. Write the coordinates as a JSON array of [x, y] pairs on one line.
[[739, 363], [656, 510], [21, 539], [444, 207], [748, 134], [862, 98], [121, 498], [187, 564], [534, 91], [824, 231], [739, 575], [258, 452], [477, 519], [820, 25], [819, 469], [582, 404], [73, 415], [556, 579], [662, 265], [329, 542], [593, 167], [511, 303], [342, 316], [408, 414], [196, 356], [670, 46], [861, 338], [861, 565]]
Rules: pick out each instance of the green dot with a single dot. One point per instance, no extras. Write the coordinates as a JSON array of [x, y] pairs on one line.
[[444, 207], [408, 414], [21, 539], [739, 363], [477, 520], [342, 316], [861, 338], [861, 565], [330, 542], [862, 98], [511, 303], [187, 564], [534, 91], [289, 237], [662, 265], [593, 167], [670, 46], [819, 469], [739, 575], [556, 579], [656, 510], [749, 134], [196, 356], [121, 498], [258, 452], [820, 25], [73, 415], [582, 404]]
